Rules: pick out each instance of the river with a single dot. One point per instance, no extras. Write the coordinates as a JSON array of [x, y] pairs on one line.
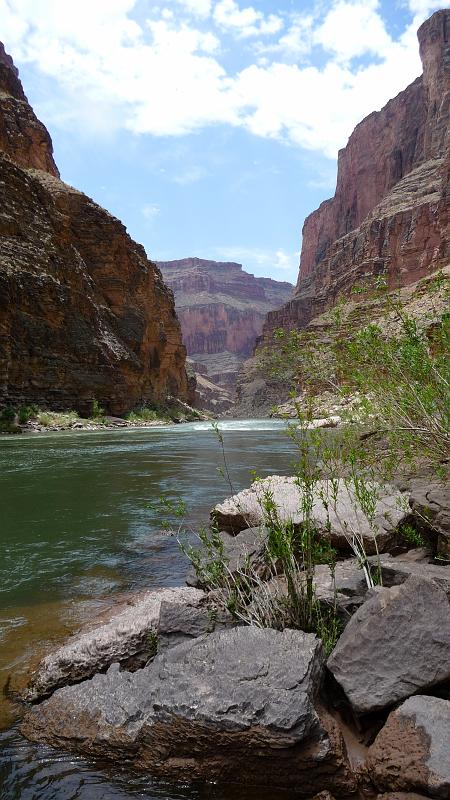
[[77, 528]]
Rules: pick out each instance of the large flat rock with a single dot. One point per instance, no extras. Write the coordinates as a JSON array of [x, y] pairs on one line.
[[396, 570], [237, 705], [412, 751], [246, 510], [396, 644], [124, 638]]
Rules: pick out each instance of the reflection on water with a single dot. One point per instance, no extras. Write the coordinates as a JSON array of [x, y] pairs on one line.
[[76, 529], [37, 772]]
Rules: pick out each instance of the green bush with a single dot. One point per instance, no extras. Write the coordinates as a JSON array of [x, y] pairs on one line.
[[8, 414], [26, 413], [147, 414], [98, 412]]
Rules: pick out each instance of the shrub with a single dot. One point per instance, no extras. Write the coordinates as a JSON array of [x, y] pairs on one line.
[[26, 413], [147, 414], [98, 412], [58, 419]]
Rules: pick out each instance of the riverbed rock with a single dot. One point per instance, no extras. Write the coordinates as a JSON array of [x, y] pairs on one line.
[[237, 706], [396, 644], [431, 504], [401, 796], [244, 551], [179, 622], [127, 639], [411, 752], [346, 593], [396, 570], [245, 510]]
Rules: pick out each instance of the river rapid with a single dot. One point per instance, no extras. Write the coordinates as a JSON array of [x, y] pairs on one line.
[[77, 530]]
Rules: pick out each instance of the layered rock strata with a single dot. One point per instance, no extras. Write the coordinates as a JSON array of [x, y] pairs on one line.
[[221, 309], [84, 314], [390, 213]]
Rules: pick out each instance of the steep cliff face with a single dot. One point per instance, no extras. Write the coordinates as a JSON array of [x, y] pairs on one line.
[[221, 309], [390, 212], [83, 313]]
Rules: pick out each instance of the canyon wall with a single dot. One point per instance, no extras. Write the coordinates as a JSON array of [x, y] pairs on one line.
[[390, 213], [221, 310], [83, 313]]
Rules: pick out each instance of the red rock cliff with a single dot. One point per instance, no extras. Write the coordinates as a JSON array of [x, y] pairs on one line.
[[390, 212], [221, 309], [83, 313]]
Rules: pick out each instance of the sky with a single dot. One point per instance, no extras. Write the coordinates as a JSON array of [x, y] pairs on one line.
[[210, 127]]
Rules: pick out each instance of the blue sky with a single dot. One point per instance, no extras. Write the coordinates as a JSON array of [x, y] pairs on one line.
[[210, 127]]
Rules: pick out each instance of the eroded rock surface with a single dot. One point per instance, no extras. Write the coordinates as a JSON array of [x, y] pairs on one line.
[[246, 509], [221, 309], [390, 212], [236, 705], [241, 551], [388, 220], [396, 644], [124, 639], [411, 753], [84, 314], [431, 504], [395, 571]]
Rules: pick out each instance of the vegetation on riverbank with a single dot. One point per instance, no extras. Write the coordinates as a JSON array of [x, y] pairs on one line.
[[392, 378], [31, 417]]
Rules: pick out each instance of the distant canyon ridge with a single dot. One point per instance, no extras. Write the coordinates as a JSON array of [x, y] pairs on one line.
[[222, 310]]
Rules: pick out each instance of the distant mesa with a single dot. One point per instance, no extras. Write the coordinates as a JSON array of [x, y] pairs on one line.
[[221, 309]]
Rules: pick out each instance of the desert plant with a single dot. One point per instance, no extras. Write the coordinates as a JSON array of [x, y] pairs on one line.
[[98, 412], [26, 413], [8, 414], [147, 414]]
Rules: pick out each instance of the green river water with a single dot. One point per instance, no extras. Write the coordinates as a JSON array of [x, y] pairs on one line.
[[76, 531]]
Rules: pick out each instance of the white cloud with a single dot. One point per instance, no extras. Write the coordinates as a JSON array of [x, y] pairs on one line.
[[247, 21], [298, 39], [200, 8], [189, 175], [423, 8], [353, 29], [153, 70], [150, 211], [262, 260]]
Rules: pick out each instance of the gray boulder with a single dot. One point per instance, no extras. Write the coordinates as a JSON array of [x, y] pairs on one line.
[[412, 751], [346, 593], [348, 579], [396, 644], [237, 705], [395, 570], [245, 549], [402, 796], [245, 510], [430, 502], [179, 622], [127, 638]]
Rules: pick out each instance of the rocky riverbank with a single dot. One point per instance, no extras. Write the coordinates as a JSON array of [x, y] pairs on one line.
[[175, 685], [51, 421]]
